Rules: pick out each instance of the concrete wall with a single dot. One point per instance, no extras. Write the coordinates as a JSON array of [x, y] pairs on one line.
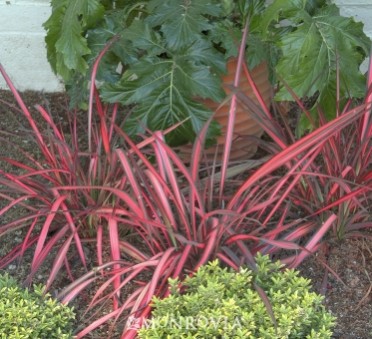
[[22, 48], [361, 10]]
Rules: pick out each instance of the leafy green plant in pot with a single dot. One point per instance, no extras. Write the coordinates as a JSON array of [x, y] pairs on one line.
[[174, 51], [165, 67]]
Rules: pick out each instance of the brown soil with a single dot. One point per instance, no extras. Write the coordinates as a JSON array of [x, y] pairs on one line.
[[350, 299]]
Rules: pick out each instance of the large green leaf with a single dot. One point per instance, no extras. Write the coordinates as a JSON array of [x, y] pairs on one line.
[[227, 35], [312, 53], [65, 33], [317, 46], [144, 38], [181, 21], [202, 52], [161, 116], [259, 51], [121, 52], [164, 92], [293, 10], [97, 39]]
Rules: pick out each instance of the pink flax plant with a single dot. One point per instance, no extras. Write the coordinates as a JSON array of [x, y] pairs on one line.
[[336, 174], [158, 217]]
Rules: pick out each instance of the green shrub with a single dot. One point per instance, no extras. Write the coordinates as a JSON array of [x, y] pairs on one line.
[[221, 303], [27, 314]]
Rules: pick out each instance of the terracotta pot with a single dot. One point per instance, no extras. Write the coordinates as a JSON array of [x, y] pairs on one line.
[[242, 147]]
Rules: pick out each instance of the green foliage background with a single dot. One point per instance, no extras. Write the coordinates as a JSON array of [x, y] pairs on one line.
[[174, 50]]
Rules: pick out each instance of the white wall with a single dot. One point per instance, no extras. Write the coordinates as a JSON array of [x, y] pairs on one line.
[[361, 10], [22, 48]]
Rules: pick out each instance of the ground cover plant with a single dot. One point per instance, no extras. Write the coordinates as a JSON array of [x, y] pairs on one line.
[[222, 303], [32, 314], [153, 214]]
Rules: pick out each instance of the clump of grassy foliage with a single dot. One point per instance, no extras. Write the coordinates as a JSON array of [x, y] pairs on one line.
[[149, 214]]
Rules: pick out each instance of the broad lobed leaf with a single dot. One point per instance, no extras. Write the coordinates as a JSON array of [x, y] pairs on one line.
[[182, 21], [65, 28], [310, 60], [162, 93]]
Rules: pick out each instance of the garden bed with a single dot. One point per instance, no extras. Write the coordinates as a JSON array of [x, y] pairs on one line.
[[350, 301]]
